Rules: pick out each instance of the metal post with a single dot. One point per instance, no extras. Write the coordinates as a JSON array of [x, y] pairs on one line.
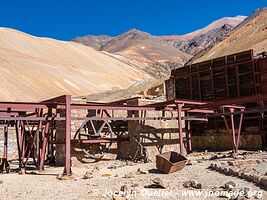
[[18, 142], [233, 128], [239, 129], [189, 135], [5, 141], [67, 170], [45, 140], [179, 109]]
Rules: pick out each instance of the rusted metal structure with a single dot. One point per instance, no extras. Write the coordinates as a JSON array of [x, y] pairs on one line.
[[36, 125], [236, 79]]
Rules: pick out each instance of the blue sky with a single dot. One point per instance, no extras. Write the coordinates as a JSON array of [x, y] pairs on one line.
[[66, 19]]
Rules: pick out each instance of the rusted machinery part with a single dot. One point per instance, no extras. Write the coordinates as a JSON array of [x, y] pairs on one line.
[[95, 151], [142, 150]]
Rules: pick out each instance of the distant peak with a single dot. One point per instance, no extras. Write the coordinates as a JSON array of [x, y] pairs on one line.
[[135, 34], [136, 31], [259, 11]]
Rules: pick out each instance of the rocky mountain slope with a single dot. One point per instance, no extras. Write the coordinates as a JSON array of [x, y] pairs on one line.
[[250, 34], [139, 49], [34, 69], [155, 54], [198, 40], [93, 41], [143, 50]]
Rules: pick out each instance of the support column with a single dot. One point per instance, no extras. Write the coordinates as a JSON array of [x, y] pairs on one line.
[[4, 165], [45, 141], [18, 142], [180, 128], [67, 169], [189, 135], [5, 141], [232, 130], [239, 128]]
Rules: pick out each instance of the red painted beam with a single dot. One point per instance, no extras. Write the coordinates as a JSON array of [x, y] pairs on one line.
[[68, 135]]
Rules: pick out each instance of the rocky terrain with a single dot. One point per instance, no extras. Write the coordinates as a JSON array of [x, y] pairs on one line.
[[144, 51], [250, 34], [198, 40], [207, 175]]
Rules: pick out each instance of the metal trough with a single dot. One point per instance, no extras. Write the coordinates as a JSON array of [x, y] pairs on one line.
[[170, 162]]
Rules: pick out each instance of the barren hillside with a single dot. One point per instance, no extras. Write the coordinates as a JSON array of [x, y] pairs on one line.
[[158, 54], [250, 34], [143, 50], [34, 69]]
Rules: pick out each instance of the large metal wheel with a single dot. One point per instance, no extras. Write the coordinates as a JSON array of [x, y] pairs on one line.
[[95, 129]]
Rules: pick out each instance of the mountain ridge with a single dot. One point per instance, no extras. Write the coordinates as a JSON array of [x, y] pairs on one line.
[[249, 34], [145, 51]]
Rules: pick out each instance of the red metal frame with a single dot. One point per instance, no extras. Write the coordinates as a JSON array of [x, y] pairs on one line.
[[33, 122], [231, 129]]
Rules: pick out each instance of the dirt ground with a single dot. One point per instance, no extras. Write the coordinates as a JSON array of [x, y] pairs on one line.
[[101, 180]]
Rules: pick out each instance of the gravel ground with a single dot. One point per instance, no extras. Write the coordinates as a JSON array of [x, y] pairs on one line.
[[108, 177]]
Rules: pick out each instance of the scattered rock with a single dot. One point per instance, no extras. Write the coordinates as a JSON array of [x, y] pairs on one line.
[[1, 182], [229, 185], [95, 168], [240, 157], [242, 175], [193, 184], [221, 169], [187, 184], [139, 171], [235, 172], [124, 190], [191, 162], [88, 175], [112, 167], [134, 185], [217, 156], [129, 175], [116, 175], [158, 183], [231, 171], [247, 192], [106, 175], [116, 197], [226, 170], [263, 181], [256, 179], [248, 176]]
